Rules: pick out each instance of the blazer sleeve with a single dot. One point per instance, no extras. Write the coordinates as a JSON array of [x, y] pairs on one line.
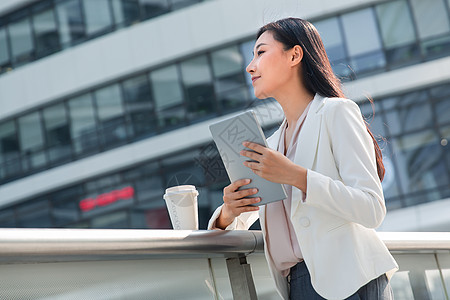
[[243, 222], [358, 195]]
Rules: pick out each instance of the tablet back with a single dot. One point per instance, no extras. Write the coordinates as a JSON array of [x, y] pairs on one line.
[[228, 136]]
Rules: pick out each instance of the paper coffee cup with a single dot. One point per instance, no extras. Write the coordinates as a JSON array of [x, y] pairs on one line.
[[182, 205]]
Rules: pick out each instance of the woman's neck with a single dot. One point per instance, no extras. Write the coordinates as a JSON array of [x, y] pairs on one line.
[[294, 102]]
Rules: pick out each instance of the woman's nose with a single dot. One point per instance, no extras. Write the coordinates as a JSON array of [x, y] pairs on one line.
[[250, 68]]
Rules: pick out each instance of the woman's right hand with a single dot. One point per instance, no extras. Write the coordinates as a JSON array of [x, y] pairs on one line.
[[234, 202]]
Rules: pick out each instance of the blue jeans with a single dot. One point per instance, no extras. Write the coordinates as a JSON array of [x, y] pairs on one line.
[[301, 288]]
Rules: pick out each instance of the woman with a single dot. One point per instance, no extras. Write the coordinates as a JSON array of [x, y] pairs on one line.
[[320, 241]]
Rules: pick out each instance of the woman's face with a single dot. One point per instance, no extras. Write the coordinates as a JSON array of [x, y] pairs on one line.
[[271, 67]]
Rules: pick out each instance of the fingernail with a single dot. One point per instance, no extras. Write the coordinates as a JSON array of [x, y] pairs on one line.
[[247, 180]]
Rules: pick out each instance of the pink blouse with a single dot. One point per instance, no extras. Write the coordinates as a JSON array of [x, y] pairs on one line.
[[281, 240]]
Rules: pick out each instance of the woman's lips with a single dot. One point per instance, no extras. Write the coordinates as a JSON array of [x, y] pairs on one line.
[[254, 78]]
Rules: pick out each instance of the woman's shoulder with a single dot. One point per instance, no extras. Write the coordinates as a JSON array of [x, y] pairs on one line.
[[333, 105], [330, 102]]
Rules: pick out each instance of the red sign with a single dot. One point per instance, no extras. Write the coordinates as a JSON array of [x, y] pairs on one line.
[[107, 198]]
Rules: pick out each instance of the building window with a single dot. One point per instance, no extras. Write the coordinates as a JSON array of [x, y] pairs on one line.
[[98, 17], [442, 103], [21, 39], [150, 215], [397, 31], [111, 116], [363, 41], [139, 106], [197, 81], [34, 214], [32, 142], [70, 21], [112, 220], [169, 105], [45, 32], [83, 127], [179, 4], [229, 80], [9, 150], [153, 8], [420, 167], [433, 25], [408, 113], [331, 33], [246, 49], [126, 11], [7, 218], [57, 133], [64, 205], [4, 52], [445, 144], [148, 186]]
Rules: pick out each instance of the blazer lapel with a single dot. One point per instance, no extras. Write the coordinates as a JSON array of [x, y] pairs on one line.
[[307, 146], [309, 135]]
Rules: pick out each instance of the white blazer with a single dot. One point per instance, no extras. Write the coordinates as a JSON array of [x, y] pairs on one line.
[[344, 202]]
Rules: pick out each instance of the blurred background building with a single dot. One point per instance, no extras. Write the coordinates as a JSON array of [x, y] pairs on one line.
[[105, 103]]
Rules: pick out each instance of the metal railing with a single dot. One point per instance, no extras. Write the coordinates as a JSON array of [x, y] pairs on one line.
[[416, 241], [24, 246], [46, 245]]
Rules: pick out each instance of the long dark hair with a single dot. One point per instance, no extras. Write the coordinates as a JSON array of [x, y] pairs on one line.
[[318, 76]]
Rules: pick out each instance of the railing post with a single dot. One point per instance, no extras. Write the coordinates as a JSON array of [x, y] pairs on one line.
[[241, 278]]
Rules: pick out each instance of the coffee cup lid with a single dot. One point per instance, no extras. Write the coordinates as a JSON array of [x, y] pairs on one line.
[[181, 188]]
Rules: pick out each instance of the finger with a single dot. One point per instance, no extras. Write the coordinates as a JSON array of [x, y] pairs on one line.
[[255, 166], [251, 154], [241, 194], [248, 208], [254, 146], [235, 185], [249, 201]]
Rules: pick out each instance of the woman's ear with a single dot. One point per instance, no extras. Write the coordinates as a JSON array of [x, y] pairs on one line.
[[296, 55]]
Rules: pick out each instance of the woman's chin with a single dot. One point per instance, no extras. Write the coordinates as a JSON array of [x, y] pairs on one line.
[[260, 95]]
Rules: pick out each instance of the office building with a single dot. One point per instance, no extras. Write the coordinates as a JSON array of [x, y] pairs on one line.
[[105, 103]]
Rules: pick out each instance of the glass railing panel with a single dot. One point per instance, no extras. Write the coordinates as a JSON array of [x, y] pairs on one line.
[[418, 278], [444, 264], [265, 287], [156, 279]]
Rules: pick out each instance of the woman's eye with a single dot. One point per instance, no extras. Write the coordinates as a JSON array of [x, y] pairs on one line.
[[260, 52]]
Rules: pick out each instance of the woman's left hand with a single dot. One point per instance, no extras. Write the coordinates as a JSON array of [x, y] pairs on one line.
[[273, 165]]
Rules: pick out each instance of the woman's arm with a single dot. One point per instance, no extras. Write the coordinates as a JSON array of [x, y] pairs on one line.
[[358, 195]]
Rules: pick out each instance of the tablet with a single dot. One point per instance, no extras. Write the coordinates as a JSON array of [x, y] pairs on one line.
[[228, 136]]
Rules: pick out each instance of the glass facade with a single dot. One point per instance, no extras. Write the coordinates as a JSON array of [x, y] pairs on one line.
[[414, 145], [415, 128], [386, 36], [374, 39], [48, 26], [363, 41], [200, 87], [130, 109], [128, 199]]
